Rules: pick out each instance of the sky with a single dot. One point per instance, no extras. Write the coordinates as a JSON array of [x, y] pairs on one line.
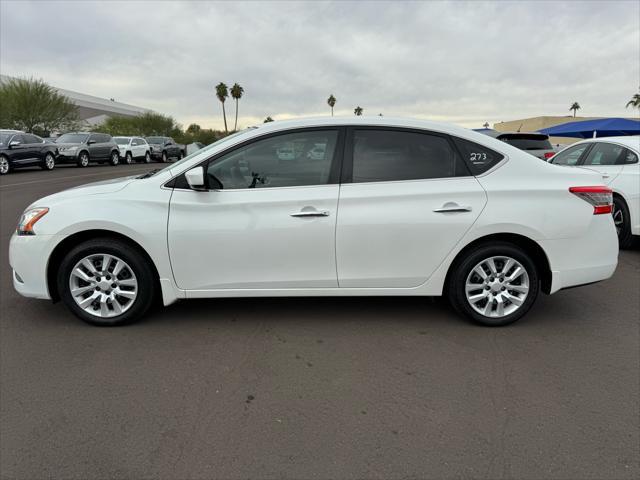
[[461, 62]]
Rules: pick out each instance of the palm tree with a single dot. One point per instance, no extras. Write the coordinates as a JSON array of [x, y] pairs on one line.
[[634, 102], [222, 92], [236, 94], [575, 107], [268, 119], [331, 101], [358, 111]]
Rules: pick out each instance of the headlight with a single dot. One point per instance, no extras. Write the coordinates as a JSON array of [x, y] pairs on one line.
[[29, 219]]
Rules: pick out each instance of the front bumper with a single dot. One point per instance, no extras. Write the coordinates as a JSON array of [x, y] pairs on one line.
[[29, 256], [67, 157]]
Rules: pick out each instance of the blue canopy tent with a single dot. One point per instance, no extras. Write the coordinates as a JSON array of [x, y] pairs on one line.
[[603, 127]]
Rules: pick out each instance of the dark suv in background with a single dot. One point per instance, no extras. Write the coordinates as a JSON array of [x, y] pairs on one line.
[[19, 149], [84, 147], [164, 148], [537, 144]]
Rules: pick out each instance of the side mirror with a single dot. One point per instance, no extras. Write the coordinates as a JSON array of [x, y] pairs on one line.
[[91, 142], [167, 143], [195, 178], [15, 143]]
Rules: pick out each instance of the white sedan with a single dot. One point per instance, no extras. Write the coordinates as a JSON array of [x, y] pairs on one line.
[[616, 159], [394, 207]]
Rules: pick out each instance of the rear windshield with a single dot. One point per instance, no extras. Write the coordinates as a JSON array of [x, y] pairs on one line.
[[121, 140], [72, 138], [527, 141]]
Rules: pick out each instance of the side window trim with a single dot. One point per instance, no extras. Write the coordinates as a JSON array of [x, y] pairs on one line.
[[584, 155], [347, 163]]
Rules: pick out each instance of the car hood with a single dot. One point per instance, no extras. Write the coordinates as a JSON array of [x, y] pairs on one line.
[[95, 188]]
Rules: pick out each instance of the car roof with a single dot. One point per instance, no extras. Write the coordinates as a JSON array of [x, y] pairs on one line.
[[630, 141], [11, 131]]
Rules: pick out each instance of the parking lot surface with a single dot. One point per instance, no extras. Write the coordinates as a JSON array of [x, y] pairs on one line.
[[318, 387]]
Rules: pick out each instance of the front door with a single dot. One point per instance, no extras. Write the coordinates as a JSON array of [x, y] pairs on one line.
[[406, 201], [266, 222]]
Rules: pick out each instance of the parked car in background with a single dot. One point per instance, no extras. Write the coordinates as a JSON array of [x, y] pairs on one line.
[[165, 148], [616, 159], [395, 207], [82, 148], [537, 144], [133, 149], [19, 149]]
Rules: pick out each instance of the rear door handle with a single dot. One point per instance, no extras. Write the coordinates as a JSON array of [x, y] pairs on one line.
[[448, 208], [311, 213]]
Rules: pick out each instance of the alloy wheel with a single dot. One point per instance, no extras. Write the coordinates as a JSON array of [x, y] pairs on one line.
[[115, 158], [103, 285], [147, 158], [618, 218], [49, 162], [497, 286], [84, 159], [4, 165], [128, 158]]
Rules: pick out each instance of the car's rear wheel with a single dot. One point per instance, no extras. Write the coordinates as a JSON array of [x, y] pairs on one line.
[[106, 282], [114, 159], [128, 158], [622, 221], [494, 284], [83, 159], [147, 157], [49, 162], [4, 165]]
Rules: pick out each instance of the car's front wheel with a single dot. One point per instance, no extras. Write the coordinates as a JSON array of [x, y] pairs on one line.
[[106, 282], [494, 284], [622, 221], [164, 157], [147, 157], [128, 158], [4, 165], [49, 162], [114, 159], [83, 159]]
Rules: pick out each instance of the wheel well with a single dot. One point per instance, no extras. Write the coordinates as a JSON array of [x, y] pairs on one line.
[[529, 246], [72, 240], [617, 195]]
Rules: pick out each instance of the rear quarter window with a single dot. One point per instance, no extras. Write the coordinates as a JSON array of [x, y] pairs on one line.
[[479, 158]]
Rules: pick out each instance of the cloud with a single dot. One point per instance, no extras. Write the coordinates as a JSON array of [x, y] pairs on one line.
[[466, 62]]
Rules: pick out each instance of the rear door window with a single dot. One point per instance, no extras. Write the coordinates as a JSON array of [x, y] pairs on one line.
[[478, 158], [630, 157], [605, 154], [392, 155], [570, 156]]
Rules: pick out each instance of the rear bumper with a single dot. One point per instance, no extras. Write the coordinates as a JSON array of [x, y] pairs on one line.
[[582, 260]]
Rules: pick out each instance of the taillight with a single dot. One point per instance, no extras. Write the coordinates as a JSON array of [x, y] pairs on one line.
[[600, 197], [548, 155]]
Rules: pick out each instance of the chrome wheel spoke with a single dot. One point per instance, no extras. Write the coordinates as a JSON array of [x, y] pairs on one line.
[[127, 282], [125, 293], [518, 288], [476, 298], [480, 272], [81, 290], [118, 267], [513, 299], [84, 303], [77, 272]]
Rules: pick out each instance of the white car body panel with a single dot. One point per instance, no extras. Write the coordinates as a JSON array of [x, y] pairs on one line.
[[245, 243]]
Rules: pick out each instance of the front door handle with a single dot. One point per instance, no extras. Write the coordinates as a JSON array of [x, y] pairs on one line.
[[311, 213], [452, 207]]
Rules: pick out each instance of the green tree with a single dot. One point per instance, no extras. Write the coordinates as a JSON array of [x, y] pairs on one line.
[[194, 128], [222, 92], [575, 107], [34, 106], [268, 119], [148, 123], [236, 94], [634, 102], [332, 102], [358, 111]]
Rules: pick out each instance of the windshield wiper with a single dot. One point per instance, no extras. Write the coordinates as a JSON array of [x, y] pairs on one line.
[[150, 173]]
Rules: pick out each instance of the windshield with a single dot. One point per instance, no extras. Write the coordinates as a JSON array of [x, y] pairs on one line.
[[527, 142], [72, 138], [121, 140], [205, 149], [156, 139], [4, 137]]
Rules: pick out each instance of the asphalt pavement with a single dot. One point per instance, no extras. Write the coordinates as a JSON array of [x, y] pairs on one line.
[[316, 387]]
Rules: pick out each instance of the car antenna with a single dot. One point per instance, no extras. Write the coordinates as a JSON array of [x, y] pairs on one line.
[[520, 127]]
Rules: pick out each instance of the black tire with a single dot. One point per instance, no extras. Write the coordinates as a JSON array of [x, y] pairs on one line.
[[456, 287], [144, 274], [128, 158], [147, 157], [114, 158], [622, 220], [180, 155], [49, 162], [83, 159], [5, 165], [164, 158]]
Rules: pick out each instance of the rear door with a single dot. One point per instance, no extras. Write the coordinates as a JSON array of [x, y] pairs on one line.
[[606, 158], [33, 146], [406, 199]]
